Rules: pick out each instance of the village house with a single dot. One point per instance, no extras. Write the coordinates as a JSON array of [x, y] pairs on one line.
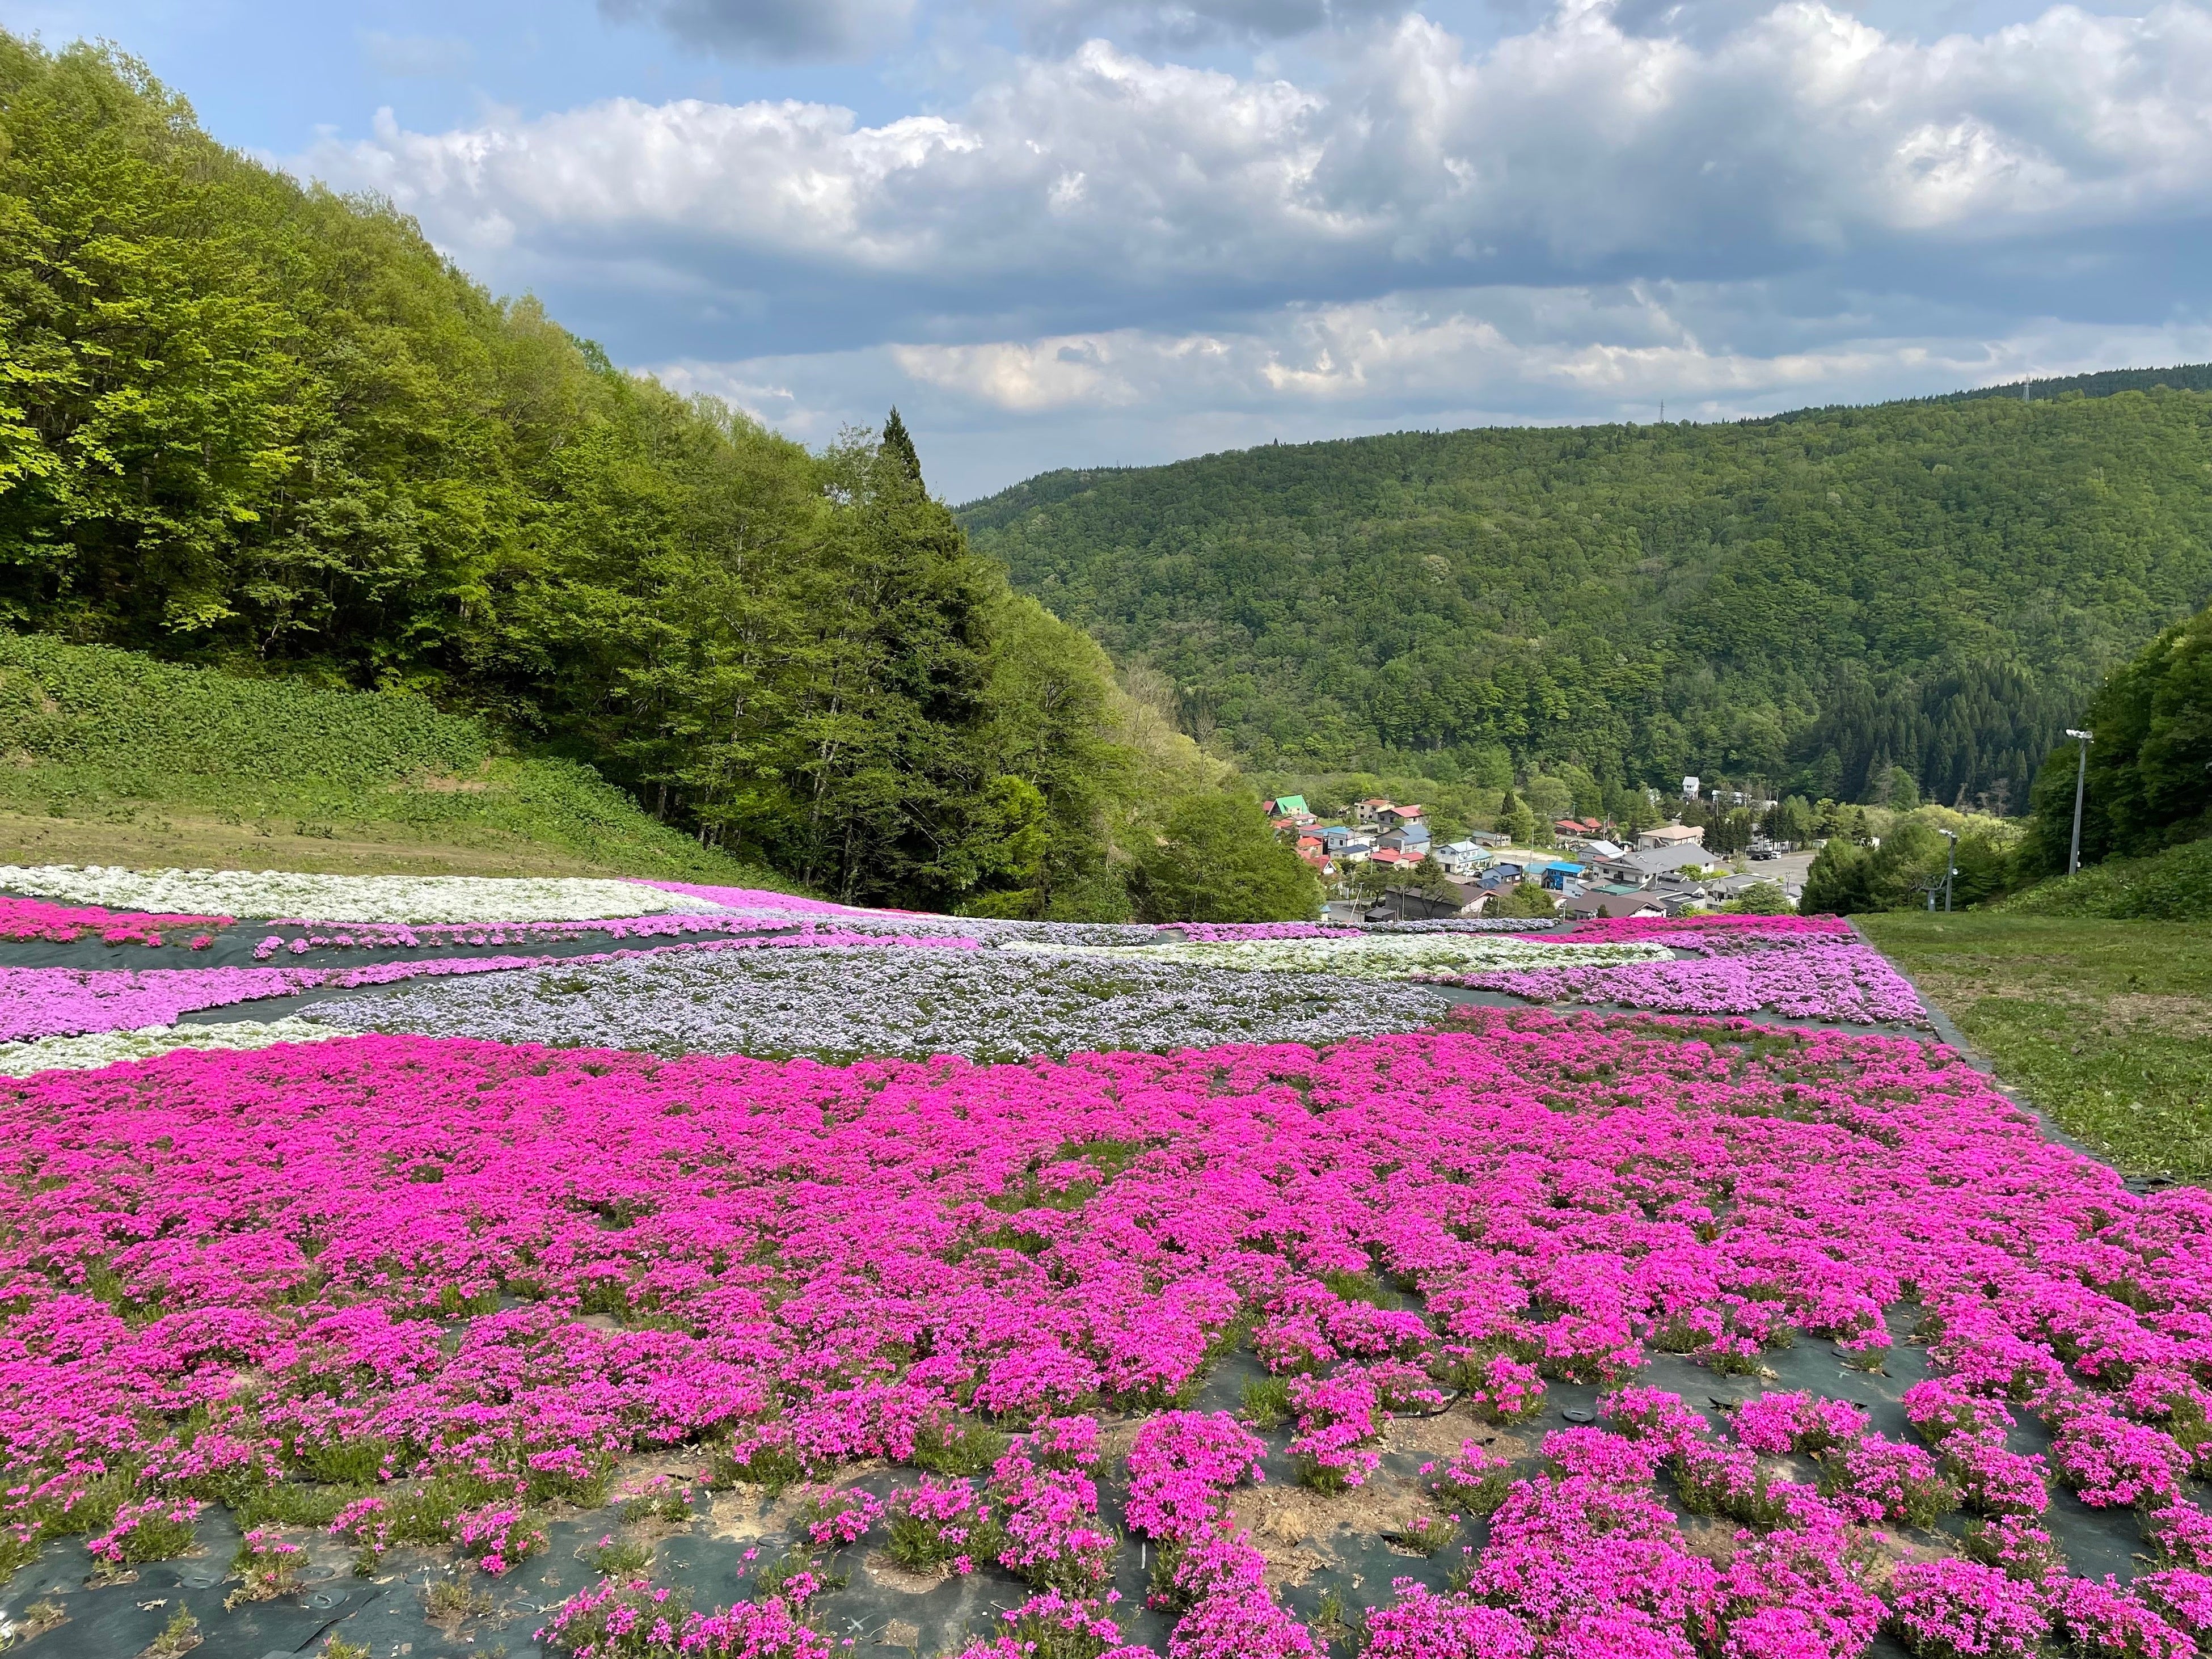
[[1671, 834], [1648, 864], [1462, 858]]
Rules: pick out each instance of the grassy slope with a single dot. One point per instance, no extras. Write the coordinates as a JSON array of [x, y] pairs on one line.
[[2104, 1025], [112, 758]]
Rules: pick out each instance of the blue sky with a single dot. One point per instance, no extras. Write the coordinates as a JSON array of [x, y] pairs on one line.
[[1061, 233]]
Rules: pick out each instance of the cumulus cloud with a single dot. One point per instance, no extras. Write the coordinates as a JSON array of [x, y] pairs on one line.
[[786, 30], [1572, 149]]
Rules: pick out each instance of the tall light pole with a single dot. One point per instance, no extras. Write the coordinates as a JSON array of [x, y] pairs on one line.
[[1950, 866], [2081, 785]]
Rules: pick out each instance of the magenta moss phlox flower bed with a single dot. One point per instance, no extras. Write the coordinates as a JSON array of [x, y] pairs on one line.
[[39, 920], [817, 1265]]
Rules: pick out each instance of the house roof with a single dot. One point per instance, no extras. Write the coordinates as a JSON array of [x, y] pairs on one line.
[[1286, 804], [1659, 860], [1611, 904], [1668, 835]]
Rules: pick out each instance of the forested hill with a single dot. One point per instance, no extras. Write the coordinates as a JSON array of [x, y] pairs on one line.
[[267, 430], [1810, 600]]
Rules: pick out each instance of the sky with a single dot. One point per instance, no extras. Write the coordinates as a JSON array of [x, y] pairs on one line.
[[1085, 232]]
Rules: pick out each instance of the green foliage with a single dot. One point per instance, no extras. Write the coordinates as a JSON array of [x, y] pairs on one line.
[[1817, 600], [1849, 877], [2150, 767], [1761, 898], [2175, 885], [962, 1448], [1267, 1402], [1526, 898], [1216, 859]]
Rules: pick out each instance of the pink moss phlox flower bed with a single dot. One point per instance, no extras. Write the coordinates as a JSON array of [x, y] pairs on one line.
[[1745, 931], [810, 933], [400, 936], [39, 1002], [760, 902], [1817, 979], [29, 920]]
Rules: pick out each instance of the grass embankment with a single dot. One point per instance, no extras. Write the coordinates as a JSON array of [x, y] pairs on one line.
[[2174, 886], [2104, 1025], [114, 758]]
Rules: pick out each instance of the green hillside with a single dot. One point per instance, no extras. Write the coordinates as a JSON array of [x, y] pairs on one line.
[[116, 758], [1808, 601]]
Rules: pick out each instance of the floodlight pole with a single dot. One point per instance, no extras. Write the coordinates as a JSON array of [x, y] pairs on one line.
[[2081, 786], [1950, 868]]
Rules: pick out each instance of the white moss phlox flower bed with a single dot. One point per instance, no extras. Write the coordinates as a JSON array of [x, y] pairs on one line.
[[1392, 956], [271, 894], [87, 1054], [986, 1005]]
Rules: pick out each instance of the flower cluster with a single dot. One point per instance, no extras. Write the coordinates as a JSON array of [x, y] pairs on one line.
[[636, 1619], [942, 1525], [497, 1536], [1046, 1507], [1180, 1465], [1954, 1609], [47, 1002], [1339, 1417]]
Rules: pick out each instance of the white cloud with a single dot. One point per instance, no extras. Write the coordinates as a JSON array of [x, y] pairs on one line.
[[773, 28], [1569, 149]]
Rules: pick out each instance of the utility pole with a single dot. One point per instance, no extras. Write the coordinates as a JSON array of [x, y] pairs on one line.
[[1950, 866], [2081, 787]]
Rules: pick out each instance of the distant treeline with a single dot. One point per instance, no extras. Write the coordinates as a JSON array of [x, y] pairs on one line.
[[1816, 603]]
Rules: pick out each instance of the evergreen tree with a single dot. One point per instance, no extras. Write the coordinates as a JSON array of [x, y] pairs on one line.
[[899, 445]]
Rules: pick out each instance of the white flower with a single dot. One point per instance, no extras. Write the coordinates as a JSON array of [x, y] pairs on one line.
[[988, 1004], [84, 1053], [1372, 955], [409, 899]]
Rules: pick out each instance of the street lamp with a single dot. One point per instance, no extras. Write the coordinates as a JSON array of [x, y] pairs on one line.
[[1950, 866], [2081, 784]]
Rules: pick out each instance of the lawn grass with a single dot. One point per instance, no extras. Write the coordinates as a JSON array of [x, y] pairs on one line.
[[2104, 1026], [110, 757]]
